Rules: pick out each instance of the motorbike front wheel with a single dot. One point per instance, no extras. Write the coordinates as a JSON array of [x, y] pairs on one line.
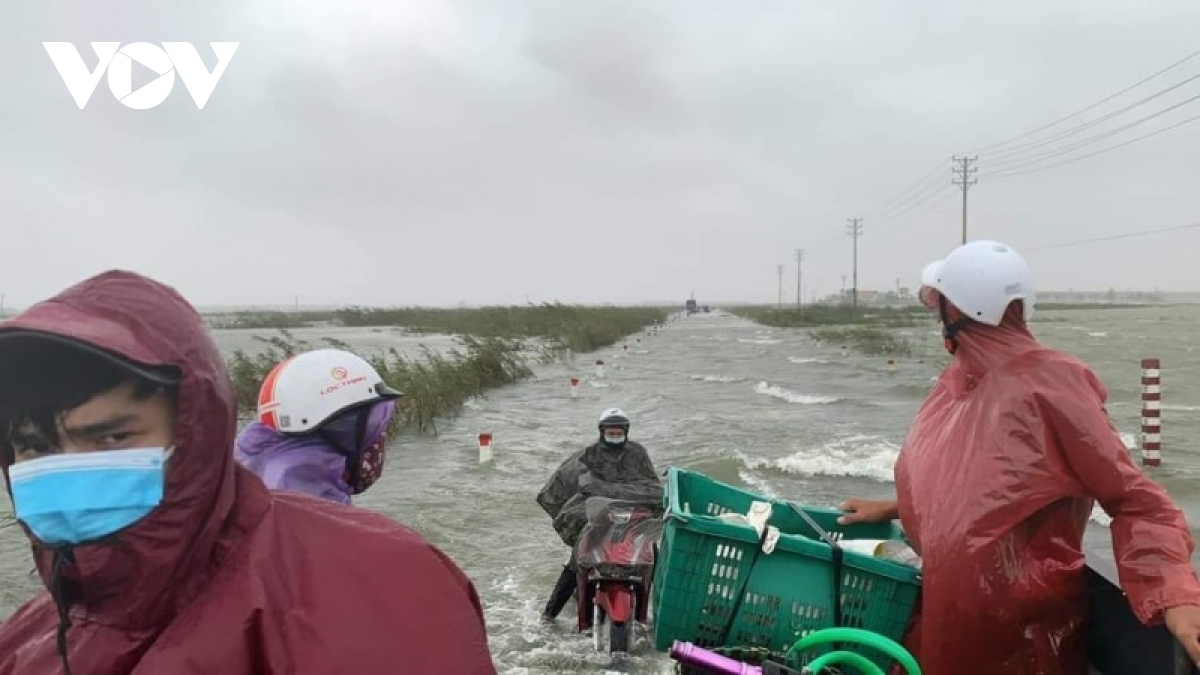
[[599, 629], [618, 637]]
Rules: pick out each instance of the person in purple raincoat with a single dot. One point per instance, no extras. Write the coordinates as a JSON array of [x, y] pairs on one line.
[[322, 426]]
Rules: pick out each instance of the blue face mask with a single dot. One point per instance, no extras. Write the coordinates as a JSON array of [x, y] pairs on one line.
[[80, 497]]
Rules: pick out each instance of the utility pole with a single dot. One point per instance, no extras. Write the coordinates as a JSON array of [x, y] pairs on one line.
[[854, 229], [779, 271], [963, 178], [799, 260]]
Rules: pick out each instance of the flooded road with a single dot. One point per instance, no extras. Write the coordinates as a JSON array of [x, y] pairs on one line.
[[766, 408]]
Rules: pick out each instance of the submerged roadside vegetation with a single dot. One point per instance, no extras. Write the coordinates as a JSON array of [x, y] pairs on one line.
[[499, 346], [814, 316], [868, 331]]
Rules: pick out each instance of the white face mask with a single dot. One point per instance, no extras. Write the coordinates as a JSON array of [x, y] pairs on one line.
[[615, 440]]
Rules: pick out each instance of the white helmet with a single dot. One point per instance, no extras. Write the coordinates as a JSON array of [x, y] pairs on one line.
[[930, 273], [303, 392], [614, 417], [981, 278]]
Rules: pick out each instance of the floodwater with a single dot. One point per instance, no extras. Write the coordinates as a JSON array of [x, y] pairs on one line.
[[767, 408]]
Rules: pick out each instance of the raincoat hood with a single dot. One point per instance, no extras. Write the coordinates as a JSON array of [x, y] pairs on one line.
[[136, 579], [226, 576], [983, 349], [307, 464]]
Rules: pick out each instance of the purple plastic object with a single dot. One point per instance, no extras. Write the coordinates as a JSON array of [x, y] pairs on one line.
[[686, 652]]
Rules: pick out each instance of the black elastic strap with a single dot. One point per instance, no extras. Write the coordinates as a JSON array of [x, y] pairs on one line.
[[60, 559], [837, 553], [741, 594], [950, 330]]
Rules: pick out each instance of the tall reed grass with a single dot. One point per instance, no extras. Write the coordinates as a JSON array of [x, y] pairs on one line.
[[499, 347]]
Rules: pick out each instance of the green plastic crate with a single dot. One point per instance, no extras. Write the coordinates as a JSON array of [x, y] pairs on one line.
[[703, 561]]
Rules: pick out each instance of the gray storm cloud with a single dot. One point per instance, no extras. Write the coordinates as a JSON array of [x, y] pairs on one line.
[[490, 152]]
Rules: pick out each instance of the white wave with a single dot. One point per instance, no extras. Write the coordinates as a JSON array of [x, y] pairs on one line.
[[757, 484], [802, 361], [766, 389], [716, 378], [598, 385], [861, 456], [1091, 334], [1181, 408], [764, 341]]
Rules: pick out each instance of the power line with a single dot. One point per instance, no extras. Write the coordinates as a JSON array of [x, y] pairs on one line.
[[942, 192], [900, 199], [1102, 101], [1114, 237], [1007, 172], [1016, 152], [916, 198], [1099, 137], [925, 189]]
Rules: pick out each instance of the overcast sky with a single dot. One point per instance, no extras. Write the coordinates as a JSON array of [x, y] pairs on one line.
[[426, 152]]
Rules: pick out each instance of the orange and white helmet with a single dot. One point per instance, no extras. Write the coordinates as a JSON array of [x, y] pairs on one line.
[[303, 392]]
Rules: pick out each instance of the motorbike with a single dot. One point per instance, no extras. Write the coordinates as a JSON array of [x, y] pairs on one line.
[[615, 565]]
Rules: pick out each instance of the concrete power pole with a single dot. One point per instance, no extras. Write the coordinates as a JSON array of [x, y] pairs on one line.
[[779, 271], [963, 178], [799, 260], [854, 229]]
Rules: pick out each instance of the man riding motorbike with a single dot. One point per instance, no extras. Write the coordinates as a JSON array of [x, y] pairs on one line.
[[612, 466], [321, 428]]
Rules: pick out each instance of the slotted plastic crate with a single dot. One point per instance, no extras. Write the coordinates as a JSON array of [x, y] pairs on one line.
[[703, 562]]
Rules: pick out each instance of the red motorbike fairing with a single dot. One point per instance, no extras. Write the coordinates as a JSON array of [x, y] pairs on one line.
[[617, 601]]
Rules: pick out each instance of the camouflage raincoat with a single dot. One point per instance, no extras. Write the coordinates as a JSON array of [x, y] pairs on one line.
[[624, 473]]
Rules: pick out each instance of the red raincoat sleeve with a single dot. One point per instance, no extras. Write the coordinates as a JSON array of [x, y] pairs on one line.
[[1151, 539]]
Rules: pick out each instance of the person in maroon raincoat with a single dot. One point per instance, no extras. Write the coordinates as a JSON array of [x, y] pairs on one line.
[[996, 481], [175, 559]]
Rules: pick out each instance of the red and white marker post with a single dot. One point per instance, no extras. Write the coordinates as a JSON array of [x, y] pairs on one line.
[[1151, 412], [485, 447]]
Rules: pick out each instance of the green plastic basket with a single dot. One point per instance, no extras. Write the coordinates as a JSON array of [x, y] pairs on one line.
[[704, 562]]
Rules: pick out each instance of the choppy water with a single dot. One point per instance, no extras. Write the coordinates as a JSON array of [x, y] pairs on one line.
[[763, 407]]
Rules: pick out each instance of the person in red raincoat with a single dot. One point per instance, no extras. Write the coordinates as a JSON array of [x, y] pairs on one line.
[[995, 483], [160, 554]]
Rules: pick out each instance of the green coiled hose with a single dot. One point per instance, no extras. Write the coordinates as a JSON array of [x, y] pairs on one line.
[[858, 636]]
